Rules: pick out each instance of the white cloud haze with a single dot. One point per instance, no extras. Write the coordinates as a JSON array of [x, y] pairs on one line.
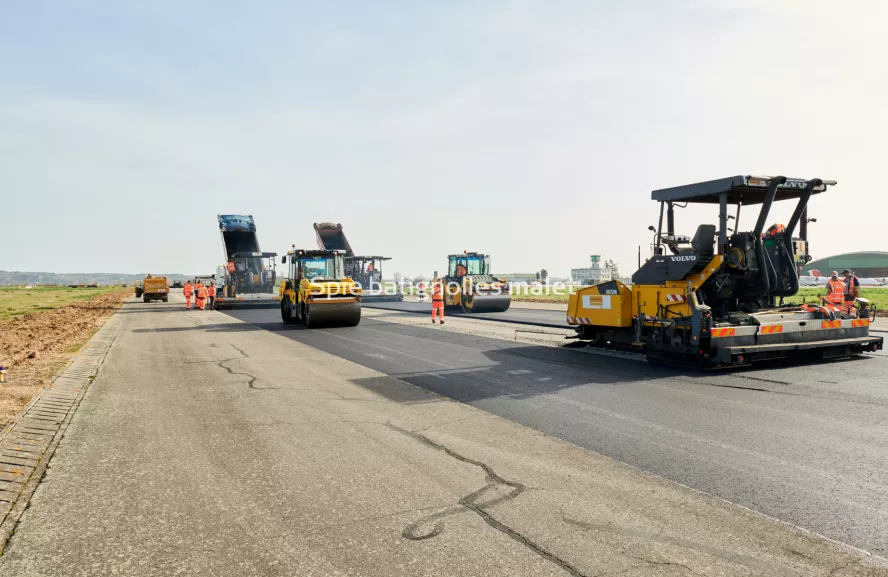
[[533, 131]]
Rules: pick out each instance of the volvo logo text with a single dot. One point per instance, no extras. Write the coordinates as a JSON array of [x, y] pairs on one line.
[[689, 257]]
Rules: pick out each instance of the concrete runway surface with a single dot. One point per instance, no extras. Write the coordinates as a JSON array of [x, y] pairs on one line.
[[806, 444], [210, 446]]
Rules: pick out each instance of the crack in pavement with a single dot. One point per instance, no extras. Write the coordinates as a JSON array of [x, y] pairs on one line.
[[252, 382], [845, 566], [474, 503], [765, 568]]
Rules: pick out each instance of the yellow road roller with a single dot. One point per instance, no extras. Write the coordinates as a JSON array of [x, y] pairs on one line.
[[471, 287], [316, 292]]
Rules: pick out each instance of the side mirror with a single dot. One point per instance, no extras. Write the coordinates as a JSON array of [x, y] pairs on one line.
[[283, 260]]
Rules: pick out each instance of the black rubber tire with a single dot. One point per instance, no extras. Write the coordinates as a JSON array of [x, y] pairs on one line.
[[462, 304], [306, 317], [285, 312]]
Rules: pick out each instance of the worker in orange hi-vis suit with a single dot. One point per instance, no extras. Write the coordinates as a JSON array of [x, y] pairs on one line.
[[201, 295], [188, 290], [211, 295], [835, 293], [438, 300]]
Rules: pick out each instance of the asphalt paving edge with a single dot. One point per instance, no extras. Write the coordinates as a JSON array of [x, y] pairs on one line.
[[476, 317], [28, 427]]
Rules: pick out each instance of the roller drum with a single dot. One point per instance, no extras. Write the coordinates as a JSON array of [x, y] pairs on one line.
[[477, 303], [332, 314]]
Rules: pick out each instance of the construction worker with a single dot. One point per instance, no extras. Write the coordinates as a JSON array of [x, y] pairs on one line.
[[835, 291], [211, 295], [438, 300], [188, 290], [774, 230], [201, 292], [851, 290]]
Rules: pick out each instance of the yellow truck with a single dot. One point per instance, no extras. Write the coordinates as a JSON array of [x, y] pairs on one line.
[[155, 288]]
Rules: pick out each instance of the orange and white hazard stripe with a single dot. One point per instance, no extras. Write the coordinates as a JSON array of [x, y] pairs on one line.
[[730, 332], [676, 298]]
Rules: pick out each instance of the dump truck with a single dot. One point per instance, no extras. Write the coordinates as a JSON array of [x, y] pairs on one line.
[[316, 291], [365, 270], [724, 297], [248, 276], [155, 288], [470, 287]]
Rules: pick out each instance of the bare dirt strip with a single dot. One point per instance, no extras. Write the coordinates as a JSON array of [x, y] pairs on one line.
[[35, 346]]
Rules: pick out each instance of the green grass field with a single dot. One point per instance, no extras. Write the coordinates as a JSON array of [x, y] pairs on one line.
[[878, 296], [540, 293], [20, 300]]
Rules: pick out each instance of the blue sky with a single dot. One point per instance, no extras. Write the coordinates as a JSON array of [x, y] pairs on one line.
[[530, 130]]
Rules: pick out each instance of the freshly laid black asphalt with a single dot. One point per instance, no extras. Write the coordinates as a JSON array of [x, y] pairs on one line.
[[805, 444], [535, 317]]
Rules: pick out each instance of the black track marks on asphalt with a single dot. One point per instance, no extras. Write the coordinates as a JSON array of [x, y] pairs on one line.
[[478, 502]]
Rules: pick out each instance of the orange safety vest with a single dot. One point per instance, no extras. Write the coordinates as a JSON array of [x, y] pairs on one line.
[[438, 292], [211, 291], [201, 291], [187, 289], [835, 291]]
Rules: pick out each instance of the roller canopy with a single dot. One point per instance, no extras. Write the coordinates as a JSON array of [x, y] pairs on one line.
[[740, 190]]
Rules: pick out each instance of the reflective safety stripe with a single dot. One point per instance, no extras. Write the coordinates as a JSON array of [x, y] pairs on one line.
[[676, 298], [771, 329], [831, 324], [578, 321], [724, 332], [860, 323]]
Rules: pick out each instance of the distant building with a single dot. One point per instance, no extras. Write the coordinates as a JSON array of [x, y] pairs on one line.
[[595, 273], [868, 264]]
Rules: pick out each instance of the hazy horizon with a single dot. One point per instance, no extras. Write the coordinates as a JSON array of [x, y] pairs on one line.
[[530, 131]]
